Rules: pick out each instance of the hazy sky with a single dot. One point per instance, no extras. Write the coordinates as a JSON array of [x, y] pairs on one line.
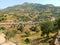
[[6, 3]]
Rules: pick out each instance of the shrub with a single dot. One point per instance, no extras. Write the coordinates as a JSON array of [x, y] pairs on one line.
[[21, 28], [11, 33], [27, 40], [33, 28], [2, 28], [27, 34], [37, 31]]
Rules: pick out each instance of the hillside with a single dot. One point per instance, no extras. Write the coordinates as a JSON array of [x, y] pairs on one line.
[[30, 12], [43, 33]]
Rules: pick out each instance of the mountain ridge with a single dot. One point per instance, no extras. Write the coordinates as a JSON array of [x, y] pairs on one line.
[[32, 11]]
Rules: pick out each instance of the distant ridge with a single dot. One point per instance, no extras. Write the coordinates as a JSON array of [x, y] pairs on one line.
[[32, 12]]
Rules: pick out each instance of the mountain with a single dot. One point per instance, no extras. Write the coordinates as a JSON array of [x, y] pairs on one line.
[[30, 12]]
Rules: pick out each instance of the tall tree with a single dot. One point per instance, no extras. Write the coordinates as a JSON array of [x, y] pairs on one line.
[[58, 23], [47, 27]]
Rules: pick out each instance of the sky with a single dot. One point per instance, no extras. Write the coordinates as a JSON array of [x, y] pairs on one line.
[[7, 3]]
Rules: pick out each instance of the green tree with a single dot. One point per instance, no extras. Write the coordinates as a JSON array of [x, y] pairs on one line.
[[57, 23], [47, 27]]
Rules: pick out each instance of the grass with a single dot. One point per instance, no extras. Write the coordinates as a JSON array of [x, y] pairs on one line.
[[44, 44]]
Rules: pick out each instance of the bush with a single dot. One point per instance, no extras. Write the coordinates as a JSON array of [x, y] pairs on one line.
[[33, 28], [21, 28], [27, 40], [27, 34], [11, 33], [2, 28], [37, 31]]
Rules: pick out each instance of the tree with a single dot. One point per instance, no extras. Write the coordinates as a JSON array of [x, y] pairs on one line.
[[47, 27], [57, 23]]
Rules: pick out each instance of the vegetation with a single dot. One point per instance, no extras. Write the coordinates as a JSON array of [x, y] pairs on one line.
[[21, 28], [30, 12], [27, 34], [27, 40], [33, 28], [2, 28], [47, 15], [58, 23], [47, 27], [10, 34]]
